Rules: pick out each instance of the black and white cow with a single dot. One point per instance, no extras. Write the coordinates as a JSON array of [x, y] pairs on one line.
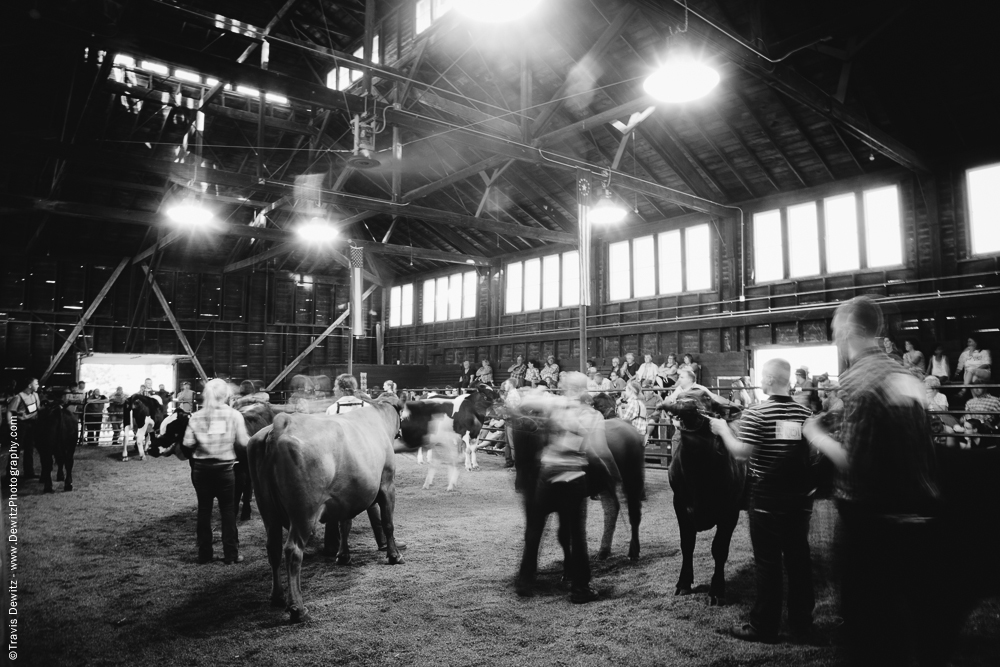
[[143, 415], [467, 414]]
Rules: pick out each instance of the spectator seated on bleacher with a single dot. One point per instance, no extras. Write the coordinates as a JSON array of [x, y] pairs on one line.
[[982, 402]]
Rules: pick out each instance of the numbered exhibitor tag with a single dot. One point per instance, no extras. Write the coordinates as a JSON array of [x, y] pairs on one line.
[[787, 430]]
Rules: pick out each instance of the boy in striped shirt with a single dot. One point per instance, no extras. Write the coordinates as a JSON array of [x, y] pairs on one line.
[[780, 505]]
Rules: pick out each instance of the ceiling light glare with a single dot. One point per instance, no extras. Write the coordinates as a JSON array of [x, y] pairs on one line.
[[189, 213], [317, 230], [495, 11], [682, 79], [606, 211]]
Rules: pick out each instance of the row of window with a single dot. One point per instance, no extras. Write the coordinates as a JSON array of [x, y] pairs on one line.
[[669, 263], [544, 282], [840, 223]]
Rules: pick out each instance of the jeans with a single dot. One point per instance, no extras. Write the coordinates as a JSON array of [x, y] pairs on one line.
[[209, 484], [569, 499], [777, 537]]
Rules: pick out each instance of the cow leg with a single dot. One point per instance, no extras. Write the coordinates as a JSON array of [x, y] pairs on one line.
[[430, 472], [688, 535], [46, 456], [611, 505], [125, 443], [633, 497], [386, 500], [60, 475], [298, 535], [452, 475], [274, 559], [68, 458], [343, 532], [720, 553], [420, 455]]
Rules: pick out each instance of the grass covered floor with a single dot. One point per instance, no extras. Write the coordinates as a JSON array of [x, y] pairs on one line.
[[108, 577]]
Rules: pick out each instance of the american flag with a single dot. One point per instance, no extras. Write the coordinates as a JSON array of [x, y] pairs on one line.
[[357, 258]]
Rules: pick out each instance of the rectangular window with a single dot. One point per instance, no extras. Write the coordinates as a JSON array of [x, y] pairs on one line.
[[984, 209], [455, 296], [619, 271], [882, 233], [803, 241], [841, 220], [375, 56], [441, 309], [644, 267], [395, 303], [767, 262], [571, 279], [671, 271], [423, 15], [533, 284], [429, 301], [698, 252], [550, 281], [469, 294], [406, 318], [514, 286]]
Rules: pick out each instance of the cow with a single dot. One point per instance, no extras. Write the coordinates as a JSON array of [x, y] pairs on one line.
[[467, 412], [142, 414], [528, 434], [708, 484], [429, 424], [56, 437], [327, 468], [255, 416]]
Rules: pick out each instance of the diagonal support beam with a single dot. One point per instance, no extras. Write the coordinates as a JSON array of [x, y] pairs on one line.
[[277, 251], [159, 245], [78, 329], [316, 343], [173, 322]]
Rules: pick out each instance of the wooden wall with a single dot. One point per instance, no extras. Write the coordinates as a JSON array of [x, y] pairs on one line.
[[939, 295]]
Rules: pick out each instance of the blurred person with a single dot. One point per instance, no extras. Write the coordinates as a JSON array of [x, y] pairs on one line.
[[484, 374], [116, 413], [804, 391], [686, 385], [600, 384], [25, 407], [345, 391], [577, 447], [688, 363], [770, 436], [210, 442], [982, 401], [389, 387], [647, 370], [668, 371], [147, 387], [518, 370], [632, 408], [938, 365], [651, 401], [532, 376], [184, 400], [165, 396], [467, 375], [889, 345], [93, 416], [550, 372], [616, 369], [888, 500], [631, 368], [934, 400], [913, 359], [972, 357]]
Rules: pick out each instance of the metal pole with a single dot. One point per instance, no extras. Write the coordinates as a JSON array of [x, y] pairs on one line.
[[583, 217]]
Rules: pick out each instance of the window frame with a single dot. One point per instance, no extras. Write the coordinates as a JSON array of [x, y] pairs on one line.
[[657, 249], [436, 299], [562, 297], [970, 250], [860, 220], [401, 309]]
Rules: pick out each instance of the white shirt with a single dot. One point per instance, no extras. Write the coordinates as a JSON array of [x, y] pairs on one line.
[[345, 404]]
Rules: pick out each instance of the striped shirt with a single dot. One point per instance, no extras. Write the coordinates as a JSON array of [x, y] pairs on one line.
[[214, 431], [779, 462]]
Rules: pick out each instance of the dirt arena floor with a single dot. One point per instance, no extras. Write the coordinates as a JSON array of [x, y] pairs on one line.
[[109, 577]]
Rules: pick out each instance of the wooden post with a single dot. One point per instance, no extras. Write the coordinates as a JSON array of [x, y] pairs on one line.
[[173, 322], [319, 339], [583, 218], [78, 329]]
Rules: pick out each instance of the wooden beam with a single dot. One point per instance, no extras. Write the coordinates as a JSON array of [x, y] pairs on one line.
[[747, 149], [422, 253], [767, 133], [159, 245], [722, 155], [316, 343], [276, 251], [173, 322], [614, 113], [78, 329]]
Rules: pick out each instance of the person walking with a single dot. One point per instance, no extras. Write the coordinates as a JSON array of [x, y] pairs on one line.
[[780, 505], [24, 407], [210, 443], [888, 501]]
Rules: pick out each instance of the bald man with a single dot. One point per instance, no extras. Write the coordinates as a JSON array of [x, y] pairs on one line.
[[780, 505]]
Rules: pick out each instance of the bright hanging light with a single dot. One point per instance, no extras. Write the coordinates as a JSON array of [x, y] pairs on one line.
[[495, 11], [317, 230], [682, 78], [606, 211], [190, 212]]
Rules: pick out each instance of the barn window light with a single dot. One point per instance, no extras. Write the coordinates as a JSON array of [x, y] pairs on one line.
[[189, 212], [156, 68], [185, 75], [491, 11], [277, 99], [317, 230], [245, 90], [124, 60]]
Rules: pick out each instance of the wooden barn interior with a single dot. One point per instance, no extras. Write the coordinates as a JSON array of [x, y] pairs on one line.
[[848, 148]]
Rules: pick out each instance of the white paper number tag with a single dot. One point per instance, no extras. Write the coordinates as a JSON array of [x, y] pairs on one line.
[[787, 430], [217, 428]]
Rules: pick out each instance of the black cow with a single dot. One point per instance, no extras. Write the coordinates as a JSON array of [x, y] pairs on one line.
[[708, 485], [606, 405], [144, 415], [56, 436], [529, 434]]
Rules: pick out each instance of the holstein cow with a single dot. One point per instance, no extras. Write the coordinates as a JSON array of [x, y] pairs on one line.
[[56, 436], [708, 485], [466, 411], [327, 468], [255, 416], [429, 425], [143, 415], [528, 433]]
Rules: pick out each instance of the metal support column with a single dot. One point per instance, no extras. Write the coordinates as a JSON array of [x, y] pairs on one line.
[[583, 217]]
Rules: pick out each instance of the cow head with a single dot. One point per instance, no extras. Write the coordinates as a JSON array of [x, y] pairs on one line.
[[687, 410], [416, 419], [482, 399], [605, 405]]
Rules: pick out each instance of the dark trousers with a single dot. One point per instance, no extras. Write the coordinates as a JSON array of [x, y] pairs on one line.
[[26, 445], [781, 537], [209, 484], [891, 586], [569, 500]]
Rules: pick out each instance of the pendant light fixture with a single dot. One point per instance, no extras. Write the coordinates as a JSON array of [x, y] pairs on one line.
[[317, 230], [607, 211], [684, 76], [189, 212], [495, 11]]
